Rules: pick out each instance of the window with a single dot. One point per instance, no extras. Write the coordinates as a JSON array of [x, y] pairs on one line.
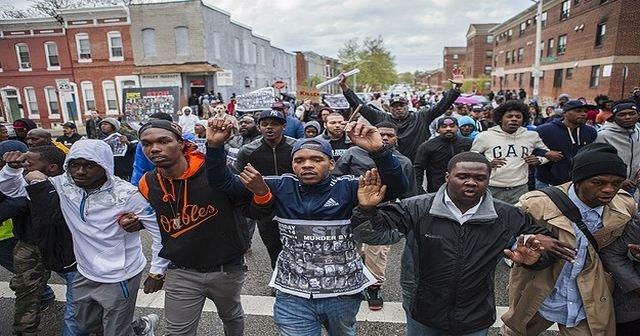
[[115, 46], [182, 41], [523, 27], [488, 54], [495, 61], [263, 57], [600, 32], [509, 34], [557, 78], [51, 52], [88, 96], [110, 98], [52, 100], [149, 42], [32, 102], [513, 56], [489, 39], [245, 51], [520, 55], [543, 19], [216, 45], [569, 74], [507, 58], [520, 78], [456, 56], [550, 48], [562, 44], [487, 70], [84, 47], [565, 10], [541, 49], [595, 76], [24, 57], [237, 48], [254, 53]]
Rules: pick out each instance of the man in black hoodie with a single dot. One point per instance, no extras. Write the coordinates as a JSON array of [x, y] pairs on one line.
[[434, 155], [413, 127]]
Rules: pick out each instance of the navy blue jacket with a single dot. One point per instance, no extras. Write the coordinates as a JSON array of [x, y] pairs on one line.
[[555, 135]]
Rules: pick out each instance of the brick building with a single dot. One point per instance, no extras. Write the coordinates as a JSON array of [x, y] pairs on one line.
[[479, 52], [453, 57], [587, 46], [312, 65], [199, 48], [432, 79], [102, 57], [33, 55]]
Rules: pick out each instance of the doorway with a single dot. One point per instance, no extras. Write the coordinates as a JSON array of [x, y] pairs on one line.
[[13, 105]]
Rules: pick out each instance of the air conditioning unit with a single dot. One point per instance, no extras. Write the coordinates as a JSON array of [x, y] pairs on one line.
[[25, 65], [248, 82]]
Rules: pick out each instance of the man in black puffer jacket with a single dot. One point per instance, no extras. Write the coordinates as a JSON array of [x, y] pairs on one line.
[[459, 235]]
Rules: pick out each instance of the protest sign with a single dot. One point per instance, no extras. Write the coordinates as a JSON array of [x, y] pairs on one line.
[[337, 102], [118, 147], [140, 103], [256, 100], [308, 93]]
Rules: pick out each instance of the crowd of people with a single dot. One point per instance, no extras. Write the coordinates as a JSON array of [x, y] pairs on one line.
[[552, 194]]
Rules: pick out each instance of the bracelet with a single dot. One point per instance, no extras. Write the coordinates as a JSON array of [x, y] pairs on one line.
[[264, 199], [156, 276]]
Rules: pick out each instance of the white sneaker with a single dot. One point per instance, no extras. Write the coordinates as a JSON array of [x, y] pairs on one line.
[[151, 322]]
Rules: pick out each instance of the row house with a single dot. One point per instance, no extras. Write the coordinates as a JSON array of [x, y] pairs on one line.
[[479, 52], [588, 47], [34, 54], [55, 70], [453, 58], [311, 65], [199, 48]]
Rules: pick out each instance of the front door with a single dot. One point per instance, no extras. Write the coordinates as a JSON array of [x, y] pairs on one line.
[[14, 105]]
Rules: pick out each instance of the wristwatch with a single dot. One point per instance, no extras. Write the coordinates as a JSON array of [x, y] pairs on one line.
[[156, 276]]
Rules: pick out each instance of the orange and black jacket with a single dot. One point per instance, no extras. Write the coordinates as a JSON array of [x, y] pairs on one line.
[[200, 226]]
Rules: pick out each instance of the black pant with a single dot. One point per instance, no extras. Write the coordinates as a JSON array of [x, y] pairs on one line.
[[628, 329], [270, 234]]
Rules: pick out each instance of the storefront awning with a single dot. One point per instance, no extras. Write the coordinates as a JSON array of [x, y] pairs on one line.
[[176, 68]]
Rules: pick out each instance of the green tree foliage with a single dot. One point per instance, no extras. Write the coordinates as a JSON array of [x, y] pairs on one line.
[[376, 64], [49, 8], [407, 77]]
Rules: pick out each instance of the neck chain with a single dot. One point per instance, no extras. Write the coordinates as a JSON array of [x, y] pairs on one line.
[[171, 198]]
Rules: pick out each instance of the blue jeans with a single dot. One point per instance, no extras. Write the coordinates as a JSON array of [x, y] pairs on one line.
[[415, 328], [540, 184], [297, 316], [70, 327]]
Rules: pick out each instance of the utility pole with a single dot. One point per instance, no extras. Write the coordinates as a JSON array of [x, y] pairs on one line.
[[536, 65]]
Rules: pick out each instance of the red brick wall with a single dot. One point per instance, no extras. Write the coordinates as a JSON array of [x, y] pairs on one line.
[[622, 38]]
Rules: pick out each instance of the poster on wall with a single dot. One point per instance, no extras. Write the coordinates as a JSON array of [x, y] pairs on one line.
[[140, 103], [255, 100]]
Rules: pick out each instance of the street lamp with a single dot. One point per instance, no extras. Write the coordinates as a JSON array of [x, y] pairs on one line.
[[536, 65]]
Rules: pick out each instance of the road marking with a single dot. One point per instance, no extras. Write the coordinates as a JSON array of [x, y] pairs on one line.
[[258, 305]]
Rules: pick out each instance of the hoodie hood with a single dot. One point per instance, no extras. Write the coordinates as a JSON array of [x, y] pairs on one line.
[[97, 151], [313, 124], [467, 121]]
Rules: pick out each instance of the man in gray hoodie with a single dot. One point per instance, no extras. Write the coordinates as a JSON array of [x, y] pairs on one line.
[[623, 133]]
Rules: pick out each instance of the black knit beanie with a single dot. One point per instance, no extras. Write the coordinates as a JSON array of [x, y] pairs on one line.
[[597, 159]]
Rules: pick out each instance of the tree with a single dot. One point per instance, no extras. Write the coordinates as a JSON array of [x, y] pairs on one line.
[[49, 8], [313, 80], [376, 64], [407, 77]]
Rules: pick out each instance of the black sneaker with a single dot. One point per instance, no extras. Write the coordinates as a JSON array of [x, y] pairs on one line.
[[373, 294]]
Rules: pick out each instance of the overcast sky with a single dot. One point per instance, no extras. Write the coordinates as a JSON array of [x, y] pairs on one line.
[[415, 31]]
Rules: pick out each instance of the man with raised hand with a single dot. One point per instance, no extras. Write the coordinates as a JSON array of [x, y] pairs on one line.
[[318, 274]]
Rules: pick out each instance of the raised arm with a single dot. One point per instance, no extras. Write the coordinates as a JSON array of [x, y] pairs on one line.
[[12, 184], [392, 174], [369, 112], [616, 259], [429, 115], [219, 175]]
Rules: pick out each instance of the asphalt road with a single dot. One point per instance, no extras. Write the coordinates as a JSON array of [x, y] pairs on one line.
[[256, 285]]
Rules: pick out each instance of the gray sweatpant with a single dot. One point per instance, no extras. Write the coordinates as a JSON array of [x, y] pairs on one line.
[[185, 294], [105, 308]]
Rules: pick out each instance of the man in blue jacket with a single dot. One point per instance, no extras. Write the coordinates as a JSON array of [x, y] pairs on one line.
[[318, 274], [567, 136]]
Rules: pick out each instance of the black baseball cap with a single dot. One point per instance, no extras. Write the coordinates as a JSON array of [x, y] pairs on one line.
[[70, 125], [273, 114], [574, 104], [398, 99]]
